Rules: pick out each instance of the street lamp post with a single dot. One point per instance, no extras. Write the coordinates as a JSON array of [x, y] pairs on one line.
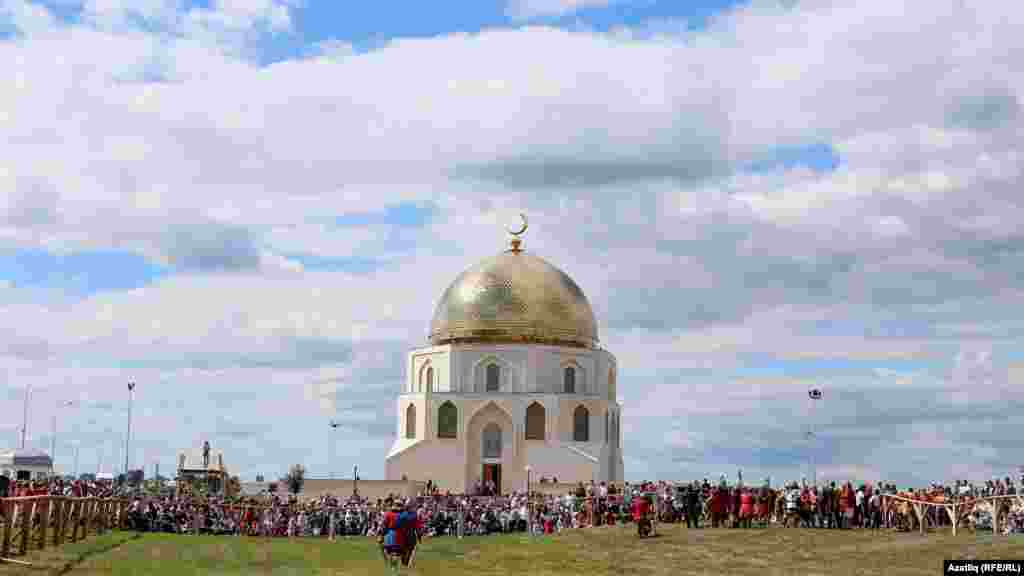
[[53, 435], [330, 446], [814, 394], [24, 422], [529, 507], [128, 437]]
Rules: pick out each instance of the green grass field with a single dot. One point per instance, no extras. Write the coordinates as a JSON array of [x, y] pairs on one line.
[[676, 551]]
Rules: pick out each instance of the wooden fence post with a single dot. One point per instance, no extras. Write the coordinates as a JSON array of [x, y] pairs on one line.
[[80, 521], [69, 520], [44, 519], [58, 519], [90, 522], [7, 507], [74, 515], [100, 517], [25, 509], [79, 515], [951, 511]]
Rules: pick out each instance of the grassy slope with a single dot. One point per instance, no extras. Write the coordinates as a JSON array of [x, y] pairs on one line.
[[598, 551]]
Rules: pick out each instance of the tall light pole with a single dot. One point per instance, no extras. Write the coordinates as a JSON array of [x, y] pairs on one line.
[[330, 446], [53, 434], [24, 422], [814, 394], [529, 508], [77, 446], [128, 438]]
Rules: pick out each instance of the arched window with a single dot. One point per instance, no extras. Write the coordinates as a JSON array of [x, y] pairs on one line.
[[569, 380], [447, 420], [430, 379], [535, 424], [493, 378], [410, 421], [581, 425], [607, 437], [492, 441], [611, 384]]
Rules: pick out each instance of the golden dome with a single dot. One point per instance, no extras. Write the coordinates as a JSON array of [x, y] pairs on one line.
[[514, 297]]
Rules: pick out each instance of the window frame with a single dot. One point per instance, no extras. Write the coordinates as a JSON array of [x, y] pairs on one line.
[[442, 409], [497, 377], [543, 422], [410, 423], [569, 379], [579, 411]]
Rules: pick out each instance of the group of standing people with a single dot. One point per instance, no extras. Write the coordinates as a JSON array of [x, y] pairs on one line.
[[56, 486]]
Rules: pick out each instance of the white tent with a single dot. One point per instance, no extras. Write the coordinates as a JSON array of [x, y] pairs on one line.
[[105, 476], [19, 464]]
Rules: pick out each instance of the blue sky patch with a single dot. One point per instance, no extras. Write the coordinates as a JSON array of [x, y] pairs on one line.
[[798, 368], [819, 157], [406, 215], [79, 273], [373, 23]]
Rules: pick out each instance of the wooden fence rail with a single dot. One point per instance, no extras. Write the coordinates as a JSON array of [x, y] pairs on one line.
[[35, 522], [998, 506]]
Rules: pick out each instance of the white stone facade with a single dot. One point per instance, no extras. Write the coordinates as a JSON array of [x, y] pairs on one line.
[[580, 438]]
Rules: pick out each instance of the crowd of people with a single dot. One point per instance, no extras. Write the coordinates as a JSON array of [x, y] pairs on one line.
[[57, 486], [698, 504]]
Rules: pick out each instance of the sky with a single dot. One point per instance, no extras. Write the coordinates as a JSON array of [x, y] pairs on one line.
[[250, 208]]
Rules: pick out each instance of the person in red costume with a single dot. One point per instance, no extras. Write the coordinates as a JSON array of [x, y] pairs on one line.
[[411, 525], [392, 538], [746, 508], [641, 515]]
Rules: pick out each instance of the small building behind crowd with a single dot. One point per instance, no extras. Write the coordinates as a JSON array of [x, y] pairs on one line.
[[25, 464], [194, 470]]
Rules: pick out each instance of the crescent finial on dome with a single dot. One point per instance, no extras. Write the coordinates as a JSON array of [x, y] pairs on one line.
[[516, 241]]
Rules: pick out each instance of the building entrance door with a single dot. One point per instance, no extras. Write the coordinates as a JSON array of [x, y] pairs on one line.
[[492, 472]]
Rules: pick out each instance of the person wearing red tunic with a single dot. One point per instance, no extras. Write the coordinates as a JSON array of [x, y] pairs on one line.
[[761, 511], [746, 508], [410, 524], [641, 508], [719, 509], [851, 503], [391, 537]]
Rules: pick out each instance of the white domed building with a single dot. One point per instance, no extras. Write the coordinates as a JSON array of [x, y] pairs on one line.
[[513, 377]]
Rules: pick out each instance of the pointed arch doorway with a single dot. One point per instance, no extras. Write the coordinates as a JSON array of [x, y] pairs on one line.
[[490, 448], [491, 445]]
